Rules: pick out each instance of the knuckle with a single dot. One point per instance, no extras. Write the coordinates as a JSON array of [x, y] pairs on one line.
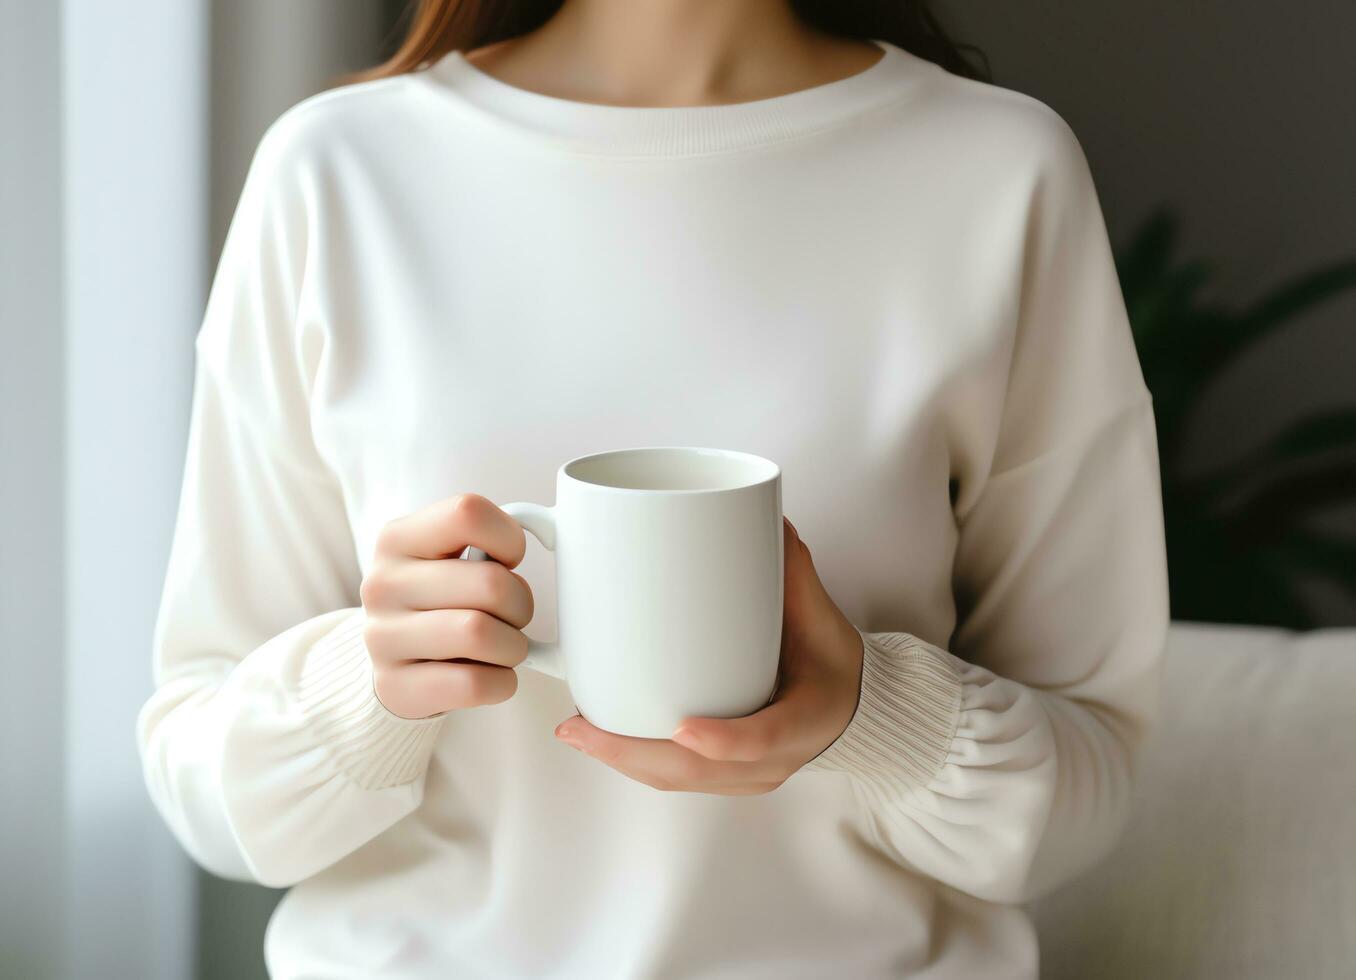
[[471, 685], [473, 626], [376, 636], [477, 685], [458, 686], [662, 783], [387, 693], [464, 509], [373, 591], [502, 685], [507, 594], [386, 537], [496, 587], [519, 647], [526, 591]]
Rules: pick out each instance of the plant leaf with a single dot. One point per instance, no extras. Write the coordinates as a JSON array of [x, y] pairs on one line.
[[1226, 342], [1214, 578], [1274, 508], [1328, 432], [1295, 297], [1163, 311], [1146, 255], [1332, 557]]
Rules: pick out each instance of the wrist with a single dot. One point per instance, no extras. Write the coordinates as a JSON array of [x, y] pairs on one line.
[[907, 709], [374, 746]]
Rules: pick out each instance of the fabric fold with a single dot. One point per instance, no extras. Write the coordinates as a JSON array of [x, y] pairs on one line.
[[905, 720]]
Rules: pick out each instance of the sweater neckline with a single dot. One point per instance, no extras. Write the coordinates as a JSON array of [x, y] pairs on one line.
[[600, 128]]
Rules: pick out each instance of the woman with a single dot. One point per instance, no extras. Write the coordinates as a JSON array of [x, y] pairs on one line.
[[539, 233]]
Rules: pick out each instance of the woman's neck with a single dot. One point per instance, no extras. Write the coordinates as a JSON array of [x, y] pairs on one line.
[[673, 53]]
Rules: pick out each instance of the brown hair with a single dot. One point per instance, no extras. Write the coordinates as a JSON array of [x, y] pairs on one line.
[[437, 27]]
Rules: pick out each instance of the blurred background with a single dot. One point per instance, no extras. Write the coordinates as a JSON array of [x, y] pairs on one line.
[[1218, 135]]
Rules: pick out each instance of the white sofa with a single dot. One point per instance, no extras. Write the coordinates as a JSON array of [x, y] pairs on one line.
[[1240, 858]]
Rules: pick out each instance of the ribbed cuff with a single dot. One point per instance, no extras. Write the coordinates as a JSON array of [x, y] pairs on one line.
[[376, 748], [905, 721]]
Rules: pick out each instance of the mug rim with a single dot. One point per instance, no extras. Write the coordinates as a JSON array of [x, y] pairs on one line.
[[773, 471]]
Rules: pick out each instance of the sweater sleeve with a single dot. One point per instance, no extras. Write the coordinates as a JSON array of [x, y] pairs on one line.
[[1001, 764], [264, 746]]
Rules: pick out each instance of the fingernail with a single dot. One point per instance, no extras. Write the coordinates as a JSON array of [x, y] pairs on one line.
[[683, 736], [563, 730]]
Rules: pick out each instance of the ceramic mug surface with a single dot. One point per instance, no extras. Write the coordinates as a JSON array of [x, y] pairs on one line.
[[669, 584]]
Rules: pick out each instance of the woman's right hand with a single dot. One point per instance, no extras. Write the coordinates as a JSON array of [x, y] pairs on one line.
[[442, 632]]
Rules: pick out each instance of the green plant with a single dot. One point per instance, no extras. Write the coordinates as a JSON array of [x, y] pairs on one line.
[[1240, 537]]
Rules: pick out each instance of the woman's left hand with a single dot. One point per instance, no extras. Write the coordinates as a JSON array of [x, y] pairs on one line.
[[819, 683]]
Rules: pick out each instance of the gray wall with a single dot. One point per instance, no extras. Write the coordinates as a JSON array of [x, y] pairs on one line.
[[135, 224], [32, 417], [1238, 115], [102, 232]]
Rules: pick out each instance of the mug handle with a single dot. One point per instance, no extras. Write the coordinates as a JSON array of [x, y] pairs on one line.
[[540, 522]]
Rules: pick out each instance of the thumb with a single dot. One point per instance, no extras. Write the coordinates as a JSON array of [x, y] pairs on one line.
[[808, 612], [801, 581]]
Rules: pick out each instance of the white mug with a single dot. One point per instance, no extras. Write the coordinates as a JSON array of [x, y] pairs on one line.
[[668, 585]]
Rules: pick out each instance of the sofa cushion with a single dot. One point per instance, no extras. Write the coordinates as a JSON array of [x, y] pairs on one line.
[[1240, 857]]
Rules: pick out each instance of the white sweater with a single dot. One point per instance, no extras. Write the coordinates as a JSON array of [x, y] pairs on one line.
[[899, 287]]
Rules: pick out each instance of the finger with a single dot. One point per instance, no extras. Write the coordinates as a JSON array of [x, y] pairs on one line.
[[745, 789], [806, 606], [429, 688], [444, 529], [657, 762], [795, 552], [446, 634], [456, 584], [710, 789], [755, 737]]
